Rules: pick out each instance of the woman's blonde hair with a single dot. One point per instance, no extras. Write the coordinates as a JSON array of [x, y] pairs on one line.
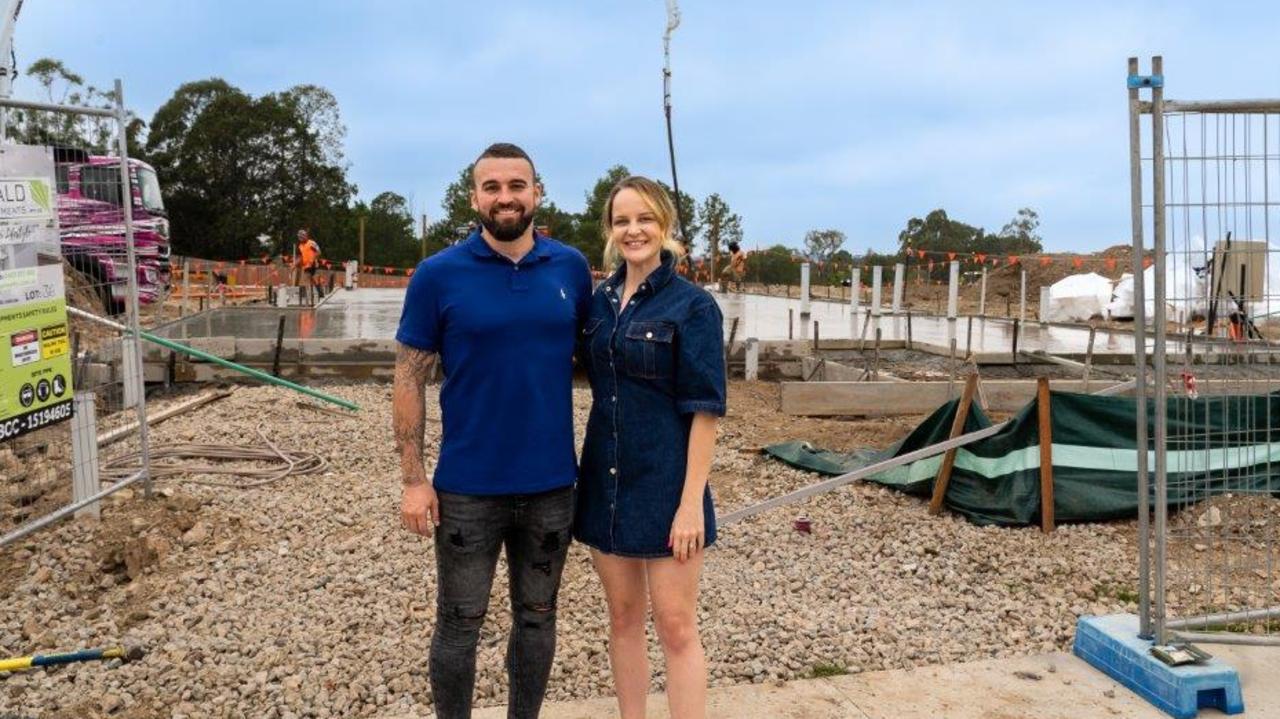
[[659, 202]]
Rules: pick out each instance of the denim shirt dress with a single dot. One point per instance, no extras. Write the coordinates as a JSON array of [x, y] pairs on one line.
[[652, 365]]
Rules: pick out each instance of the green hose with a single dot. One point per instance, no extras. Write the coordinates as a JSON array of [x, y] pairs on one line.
[[265, 377], [178, 347]]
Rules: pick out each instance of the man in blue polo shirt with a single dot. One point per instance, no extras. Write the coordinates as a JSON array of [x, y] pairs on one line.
[[500, 311]]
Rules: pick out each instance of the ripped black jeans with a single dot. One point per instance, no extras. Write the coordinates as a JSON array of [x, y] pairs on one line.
[[473, 529]]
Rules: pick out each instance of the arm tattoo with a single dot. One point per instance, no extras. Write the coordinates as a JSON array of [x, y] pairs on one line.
[[408, 411]]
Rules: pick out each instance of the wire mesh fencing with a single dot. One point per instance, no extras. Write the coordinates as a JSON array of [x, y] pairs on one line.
[[1205, 178], [83, 238]]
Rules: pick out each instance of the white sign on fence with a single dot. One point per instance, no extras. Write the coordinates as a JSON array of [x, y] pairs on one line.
[[28, 198]]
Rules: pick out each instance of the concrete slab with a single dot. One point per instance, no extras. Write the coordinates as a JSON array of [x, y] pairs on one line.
[[987, 689], [374, 314], [992, 689], [360, 325], [797, 700], [367, 314]]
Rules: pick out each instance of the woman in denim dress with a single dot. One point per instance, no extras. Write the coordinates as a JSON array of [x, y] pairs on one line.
[[653, 347]]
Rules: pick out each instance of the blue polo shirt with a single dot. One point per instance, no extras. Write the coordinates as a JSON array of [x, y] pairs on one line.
[[504, 333]]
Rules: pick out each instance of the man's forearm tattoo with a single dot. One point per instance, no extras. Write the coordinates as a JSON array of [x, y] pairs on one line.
[[408, 413]]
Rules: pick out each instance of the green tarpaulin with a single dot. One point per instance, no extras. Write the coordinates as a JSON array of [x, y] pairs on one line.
[[1218, 444]]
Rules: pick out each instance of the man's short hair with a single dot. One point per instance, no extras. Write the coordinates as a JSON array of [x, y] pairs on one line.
[[506, 150]]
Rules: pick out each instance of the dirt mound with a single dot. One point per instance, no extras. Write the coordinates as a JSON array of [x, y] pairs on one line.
[[83, 292]]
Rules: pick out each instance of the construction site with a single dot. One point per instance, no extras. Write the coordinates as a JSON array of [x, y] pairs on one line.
[[1043, 486]]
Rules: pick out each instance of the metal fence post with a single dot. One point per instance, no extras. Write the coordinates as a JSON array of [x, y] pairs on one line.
[[1159, 335], [1140, 359], [131, 303]]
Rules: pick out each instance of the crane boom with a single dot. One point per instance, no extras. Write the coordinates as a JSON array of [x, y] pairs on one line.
[[8, 61]]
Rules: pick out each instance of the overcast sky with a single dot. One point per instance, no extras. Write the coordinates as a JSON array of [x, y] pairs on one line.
[[802, 115]]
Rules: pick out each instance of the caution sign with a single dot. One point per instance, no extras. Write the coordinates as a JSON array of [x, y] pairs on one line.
[[35, 361], [54, 341]]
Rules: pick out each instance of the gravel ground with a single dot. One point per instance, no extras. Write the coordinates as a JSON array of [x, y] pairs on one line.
[[305, 598]]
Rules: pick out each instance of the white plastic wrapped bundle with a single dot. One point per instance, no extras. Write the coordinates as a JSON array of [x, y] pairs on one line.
[[1184, 290], [1078, 297]]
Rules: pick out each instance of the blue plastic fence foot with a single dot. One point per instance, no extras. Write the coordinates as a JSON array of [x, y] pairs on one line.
[[1111, 644]]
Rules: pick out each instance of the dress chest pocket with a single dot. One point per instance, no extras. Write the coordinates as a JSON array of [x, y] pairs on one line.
[[648, 348]]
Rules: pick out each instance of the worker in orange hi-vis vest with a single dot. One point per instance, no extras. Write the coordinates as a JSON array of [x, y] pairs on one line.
[[737, 266], [309, 252]]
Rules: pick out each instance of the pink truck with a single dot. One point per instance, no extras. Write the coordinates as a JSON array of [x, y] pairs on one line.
[[91, 224]]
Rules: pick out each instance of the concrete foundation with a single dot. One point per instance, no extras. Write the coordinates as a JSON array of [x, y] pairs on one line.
[[352, 334]]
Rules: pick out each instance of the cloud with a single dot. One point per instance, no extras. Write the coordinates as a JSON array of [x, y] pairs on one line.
[[825, 113]]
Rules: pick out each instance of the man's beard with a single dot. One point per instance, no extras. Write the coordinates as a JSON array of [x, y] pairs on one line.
[[509, 231]]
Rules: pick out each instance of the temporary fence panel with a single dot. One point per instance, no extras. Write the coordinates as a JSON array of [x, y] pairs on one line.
[[82, 227], [1203, 174]]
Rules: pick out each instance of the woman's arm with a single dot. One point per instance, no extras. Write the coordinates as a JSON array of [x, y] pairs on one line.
[[688, 531]]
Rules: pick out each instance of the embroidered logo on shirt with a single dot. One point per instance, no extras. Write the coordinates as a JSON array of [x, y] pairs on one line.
[[563, 296]]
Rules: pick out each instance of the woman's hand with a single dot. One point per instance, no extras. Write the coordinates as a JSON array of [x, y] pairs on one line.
[[688, 531]]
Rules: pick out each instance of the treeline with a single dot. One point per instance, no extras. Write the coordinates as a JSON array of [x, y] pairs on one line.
[[240, 174]]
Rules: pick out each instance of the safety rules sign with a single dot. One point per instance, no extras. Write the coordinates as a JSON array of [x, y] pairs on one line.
[[35, 346], [35, 364]]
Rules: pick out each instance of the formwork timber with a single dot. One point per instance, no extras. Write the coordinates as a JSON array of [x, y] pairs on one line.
[[883, 399]]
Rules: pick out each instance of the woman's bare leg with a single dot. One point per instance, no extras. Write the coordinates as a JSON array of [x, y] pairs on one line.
[[673, 590], [624, 591]]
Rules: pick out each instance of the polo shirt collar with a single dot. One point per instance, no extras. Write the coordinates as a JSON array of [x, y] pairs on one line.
[[475, 242], [656, 279]]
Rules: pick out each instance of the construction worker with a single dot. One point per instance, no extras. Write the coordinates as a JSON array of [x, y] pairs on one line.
[[737, 265], [309, 252]]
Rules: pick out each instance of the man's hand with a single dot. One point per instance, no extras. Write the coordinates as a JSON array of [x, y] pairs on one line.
[[419, 508]]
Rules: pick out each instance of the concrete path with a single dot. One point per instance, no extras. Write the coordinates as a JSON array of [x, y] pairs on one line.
[[1066, 688]]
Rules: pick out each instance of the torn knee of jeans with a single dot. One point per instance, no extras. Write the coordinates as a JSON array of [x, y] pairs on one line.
[[544, 567], [537, 615], [466, 613], [552, 541], [456, 539]]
